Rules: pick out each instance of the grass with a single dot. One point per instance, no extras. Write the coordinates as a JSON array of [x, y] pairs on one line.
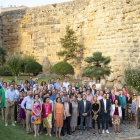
[[18, 133], [10, 78]]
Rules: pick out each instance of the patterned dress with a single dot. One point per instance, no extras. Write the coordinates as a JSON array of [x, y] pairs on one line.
[[134, 103], [37, 109]]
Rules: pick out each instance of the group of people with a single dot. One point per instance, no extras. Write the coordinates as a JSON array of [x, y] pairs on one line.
[[57, 106]]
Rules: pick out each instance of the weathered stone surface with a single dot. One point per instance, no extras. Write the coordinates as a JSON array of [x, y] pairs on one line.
[[46, 65], [109, 84], [103, 81], [111, 27], [118, 85]]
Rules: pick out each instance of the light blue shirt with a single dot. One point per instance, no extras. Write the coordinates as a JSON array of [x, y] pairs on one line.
[[56, 85], [10, 94], [22, 86], [1, 85], [28, 101]]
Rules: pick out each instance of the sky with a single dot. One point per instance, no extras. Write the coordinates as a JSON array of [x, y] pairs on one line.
[[30, 3]]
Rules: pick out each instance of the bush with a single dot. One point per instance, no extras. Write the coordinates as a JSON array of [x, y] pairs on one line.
[[62, 68], [5, 71], [33, 67], [15, 62], [3, 53], [132, 77]]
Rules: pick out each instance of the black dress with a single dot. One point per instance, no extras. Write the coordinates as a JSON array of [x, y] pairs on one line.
[[95, 108]]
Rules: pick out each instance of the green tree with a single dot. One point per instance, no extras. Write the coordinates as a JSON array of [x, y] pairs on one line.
[[15, 62], [33, 67], [3, 53], [69, 45], [62, 69], [97, 66]]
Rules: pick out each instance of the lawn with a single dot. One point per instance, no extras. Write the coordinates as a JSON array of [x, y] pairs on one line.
[[10, 78], [18, 133]]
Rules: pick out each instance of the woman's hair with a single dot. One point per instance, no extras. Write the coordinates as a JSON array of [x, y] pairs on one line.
[[57, 99], [133, 96], [49, 92], [44, 100], [26, 81], [118, 102], [36, 95], [75, 100], [72, 94], [42, 83]]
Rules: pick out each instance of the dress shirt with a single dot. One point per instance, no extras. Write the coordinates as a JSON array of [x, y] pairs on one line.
[[104, 103], [53, 97], [50, 85], [84, 106], [56, 85], [99, 98], [17, 94], [93, 92], [89, 98], [28, 101], [34, 86], [10, 94], [66, 84], [32, 83]]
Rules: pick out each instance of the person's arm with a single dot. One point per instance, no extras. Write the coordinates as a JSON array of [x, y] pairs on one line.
[[23, 102], [108, 108], [80, 108], [51, 108], [54, 112], [0, 95], [125, 102], [111, 112], [120, 112], [89, 108], [41, 107], [99, 107], [32, 105]]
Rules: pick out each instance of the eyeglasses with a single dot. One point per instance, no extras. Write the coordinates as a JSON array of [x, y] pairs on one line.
[[134, 95]]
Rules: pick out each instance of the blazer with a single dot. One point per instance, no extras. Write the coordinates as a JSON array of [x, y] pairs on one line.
[[113, 110], [32, 83], [70, 107], [22, 90], [107, 106], [138, 100], [88, 108]]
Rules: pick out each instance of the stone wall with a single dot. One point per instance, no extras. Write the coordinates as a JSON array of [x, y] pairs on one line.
[[109, 26]]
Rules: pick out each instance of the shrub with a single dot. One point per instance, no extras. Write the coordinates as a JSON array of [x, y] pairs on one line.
[[3, 53], [132, 76], [33, 67], [62, 68], [15, 62], [5, 70]]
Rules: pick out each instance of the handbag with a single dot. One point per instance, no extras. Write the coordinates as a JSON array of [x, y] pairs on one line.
[[95, 117]]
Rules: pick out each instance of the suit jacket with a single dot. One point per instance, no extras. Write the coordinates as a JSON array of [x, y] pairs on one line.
[[88, 108], [107, 106], [113, 110], [22, 90], [32, 83], [94, 91], [70, 107]]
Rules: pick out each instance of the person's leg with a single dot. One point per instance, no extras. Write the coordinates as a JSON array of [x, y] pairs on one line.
[[27, 121], [103, 121], [136, 119], [87, 123], [12, 113], [119, 128], [35, 128], [2, 112], [15, 111], [38, 129], [56, 131], [107, 120], [59, 132], [93, 125], [63, 128], [98, 122], [81, 124], [68, 125], [7, 112], [139, 115], [123, 114], [23, 120], [115, 127]]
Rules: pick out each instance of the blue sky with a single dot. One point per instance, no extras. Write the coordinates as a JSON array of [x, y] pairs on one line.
[[29, 3]]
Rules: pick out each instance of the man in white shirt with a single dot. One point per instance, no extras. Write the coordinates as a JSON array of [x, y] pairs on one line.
[[36, 82], [91, 82], [66, 84], [21, 84], [61, 86], [36, 87]]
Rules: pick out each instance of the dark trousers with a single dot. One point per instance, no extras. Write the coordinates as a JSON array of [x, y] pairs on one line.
[[67, 121], [123, 113], [15, 113], [105, 118], [98, 122]]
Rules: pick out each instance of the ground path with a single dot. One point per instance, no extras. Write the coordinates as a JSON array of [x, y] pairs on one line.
[[128, 131]]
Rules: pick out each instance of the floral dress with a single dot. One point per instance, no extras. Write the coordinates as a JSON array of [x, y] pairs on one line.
[[134, 103], [37, 109]]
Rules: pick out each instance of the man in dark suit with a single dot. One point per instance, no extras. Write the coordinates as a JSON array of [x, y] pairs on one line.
[[31, 81], [68, 113], [25, 89], [105, 106], [84, 109], [94, 89]]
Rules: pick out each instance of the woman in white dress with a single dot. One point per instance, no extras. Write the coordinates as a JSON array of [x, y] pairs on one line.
[[98, 85]]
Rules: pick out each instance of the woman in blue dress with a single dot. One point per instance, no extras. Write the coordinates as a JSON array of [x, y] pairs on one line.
[[133, 106]]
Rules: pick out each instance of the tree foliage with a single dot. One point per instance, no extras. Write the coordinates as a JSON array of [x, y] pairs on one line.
[[3, 54], [132, 76], [5, 70], [33, 67], [97, 66], [69, 45], [62, 68], [15, 62]]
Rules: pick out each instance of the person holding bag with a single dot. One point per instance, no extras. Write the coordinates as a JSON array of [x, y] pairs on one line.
[[95, 107], [116, 114]]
